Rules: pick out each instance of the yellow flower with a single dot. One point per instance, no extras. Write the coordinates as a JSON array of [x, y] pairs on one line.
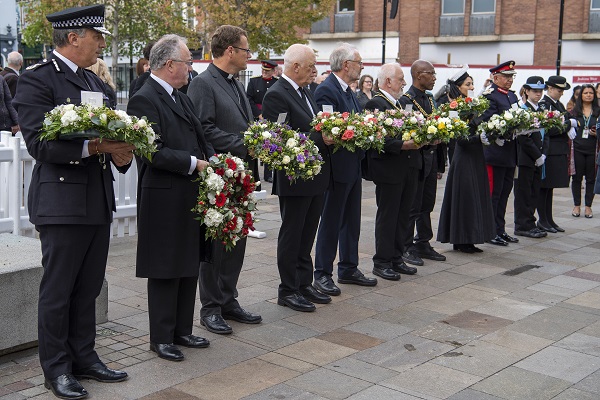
[[431, 129], [441, 125]]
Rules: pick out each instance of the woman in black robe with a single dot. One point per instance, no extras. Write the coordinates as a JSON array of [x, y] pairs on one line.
[[466, 217]]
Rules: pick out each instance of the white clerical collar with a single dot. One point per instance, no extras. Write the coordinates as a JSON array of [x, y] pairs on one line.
[[64, 59], [342, 83], [164, 84], [294, 84], [389, 96]]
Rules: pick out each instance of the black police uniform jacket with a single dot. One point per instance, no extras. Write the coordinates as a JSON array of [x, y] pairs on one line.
[[531, 147], [65, 189], [256, 90], [557, 165], [499, 156]]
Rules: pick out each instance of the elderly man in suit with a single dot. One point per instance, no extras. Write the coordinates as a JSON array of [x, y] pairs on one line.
[[340, 220], [395, 173], [301, 202], [11, 71], [71, 201], [170, 242], [224, 111]]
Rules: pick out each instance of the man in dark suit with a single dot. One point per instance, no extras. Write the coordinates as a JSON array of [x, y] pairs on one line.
[[71, 202], [531, 150], [395, 173], [11, 71], [418, 95], [301, 202], [225, 113], [501, 160], [340, 220], [259, 85], [171, 243]]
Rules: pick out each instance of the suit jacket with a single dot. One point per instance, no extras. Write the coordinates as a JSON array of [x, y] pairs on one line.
[[8, 114], [11, 77], [531, 147], [384, 167], [499, 156], [559, 140], [256, 91], [64, 189], [345, 164], [137, 83], [282, 98], [170, 240]]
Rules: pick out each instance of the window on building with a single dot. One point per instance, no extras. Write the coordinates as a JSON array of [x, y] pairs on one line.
[[595, 4], [345, 6], [450, 7], [484, 6]]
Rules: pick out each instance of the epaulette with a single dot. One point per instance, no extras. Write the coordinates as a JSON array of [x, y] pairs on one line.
[[487, 91], [36, 66]]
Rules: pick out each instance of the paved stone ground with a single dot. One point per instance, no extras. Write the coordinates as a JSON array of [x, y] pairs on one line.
[[474, 327]]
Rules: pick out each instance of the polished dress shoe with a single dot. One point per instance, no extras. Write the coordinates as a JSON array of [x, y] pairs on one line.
[[498, 241], [411, 258], [430, 254], [558, 228], [196, 342], [404, 269], [240, 315], [547, 228], [357, 278], [530, 234], [101, 373], [386, 273], [314, 296], [66, 386], [463, 248], [509, 239], [168, 351], [296, 302], [216, 324], [540, 231], [325, 285]]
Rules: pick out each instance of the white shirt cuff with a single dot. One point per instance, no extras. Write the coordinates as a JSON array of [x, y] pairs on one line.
[[193, 165]]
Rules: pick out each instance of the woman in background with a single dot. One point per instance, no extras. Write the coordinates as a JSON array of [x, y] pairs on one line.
[[365, 90], [101, 70]]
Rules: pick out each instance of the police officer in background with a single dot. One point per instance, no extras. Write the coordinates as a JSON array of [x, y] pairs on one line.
[[71, 202], [501, 157], [256, 90]]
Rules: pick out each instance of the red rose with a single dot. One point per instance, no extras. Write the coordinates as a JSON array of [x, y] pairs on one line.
[[345, 115], [220, 200], [231, 164], [468, 100], [325, 115], [220, 171], [319, 126], [550, 114], [348, 135]]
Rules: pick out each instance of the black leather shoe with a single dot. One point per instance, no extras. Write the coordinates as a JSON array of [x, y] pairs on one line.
[[546, 228], [430, 254], [404, 269], [463, 248], [314, 296], [386, 273], [509, 239], [530, 234], [296, 302], [240, 315], [66, 386], [325, 285], [196, 342], [558, 228], [498, 241], [411, 258], [168, 351], [101, 373], [540, 231], [216, 324], [357, 278]]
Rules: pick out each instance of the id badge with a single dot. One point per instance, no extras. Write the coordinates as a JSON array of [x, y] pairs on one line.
[[586, 133]]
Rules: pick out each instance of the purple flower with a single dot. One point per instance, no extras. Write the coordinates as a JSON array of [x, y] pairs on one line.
[[398, 123], [300, 158]]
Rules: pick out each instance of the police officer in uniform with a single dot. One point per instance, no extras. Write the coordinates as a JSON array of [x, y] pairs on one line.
[[71, 202], [501, 159], [256, 90]]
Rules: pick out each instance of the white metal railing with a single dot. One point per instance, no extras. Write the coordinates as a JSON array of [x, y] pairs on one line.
[[16, 166]]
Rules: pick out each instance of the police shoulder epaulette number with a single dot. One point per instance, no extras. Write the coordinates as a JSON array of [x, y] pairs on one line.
[[36, 66]]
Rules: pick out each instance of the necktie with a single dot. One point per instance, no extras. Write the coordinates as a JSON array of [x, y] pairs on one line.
[[81, 76], [303, 95]]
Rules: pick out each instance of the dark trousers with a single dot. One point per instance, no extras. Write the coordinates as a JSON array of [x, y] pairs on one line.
[[74, 261], [299, 221], [502, 185], [585, 165], [218, 279], [527, 188], [544, 207], [420, 212], [391, 220], [171, 307], [340, 222]]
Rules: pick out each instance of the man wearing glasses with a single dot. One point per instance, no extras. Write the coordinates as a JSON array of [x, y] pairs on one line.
[[501, 159], [419, 97], [224, 111]]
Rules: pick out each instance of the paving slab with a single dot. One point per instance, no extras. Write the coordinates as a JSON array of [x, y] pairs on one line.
[[329, 384]]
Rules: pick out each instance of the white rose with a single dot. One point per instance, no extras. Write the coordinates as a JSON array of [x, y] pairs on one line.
[[266, 135], [142, 122], [413, 120], [291, 143], [69, 117], [214, 182], [388, 121], [350, 127], [229, 173], [335, 130], [285, 160], [508, 116]]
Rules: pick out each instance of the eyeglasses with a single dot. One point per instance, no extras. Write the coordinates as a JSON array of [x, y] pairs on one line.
[[358, 62], [432, 73], [188, 62], [241, 48]]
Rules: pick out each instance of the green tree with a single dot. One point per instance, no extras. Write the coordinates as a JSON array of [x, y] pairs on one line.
[[132, 22], [272, 26]]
